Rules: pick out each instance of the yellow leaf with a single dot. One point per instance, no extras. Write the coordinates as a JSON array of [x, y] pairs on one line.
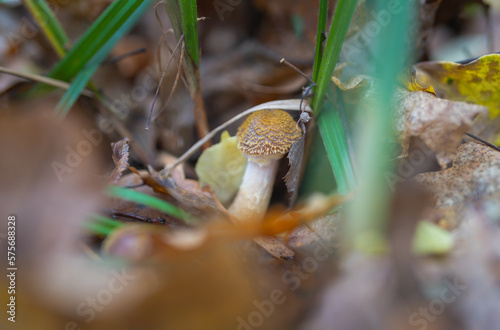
[[431, 239], [475, 82], [409, 80], [222, 167]]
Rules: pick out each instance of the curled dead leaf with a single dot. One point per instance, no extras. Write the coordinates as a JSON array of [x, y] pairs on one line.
[[295, 160], [355, 88], [439, 123], [120, 157], [197, 201]]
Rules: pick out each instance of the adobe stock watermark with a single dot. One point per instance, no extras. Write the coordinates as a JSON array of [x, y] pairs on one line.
[[225, 6], [75, 155], [265, 308], [89, 308], [371, 29], [29, 30], [408, 166], [449, 293], [137, 95]]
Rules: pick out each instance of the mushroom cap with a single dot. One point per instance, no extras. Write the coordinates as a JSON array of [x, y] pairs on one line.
[[268, 133]]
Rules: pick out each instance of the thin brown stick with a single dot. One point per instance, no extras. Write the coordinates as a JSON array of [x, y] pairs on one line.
[[283, 61], [158, 19], [483, 141], [174, 87], [200, 115], [192, 82], [292, 105], [124, 56], [44, 80], [108, 107], [161, 80], [133, 216]]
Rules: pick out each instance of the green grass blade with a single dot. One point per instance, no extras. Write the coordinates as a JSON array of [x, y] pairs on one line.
[[107, 221], [190, 28], [148, 200], [330, 122], [174, 16], [336, 36], [320, 37], [318, 174], [115, 19], [94, 46], [97, 228], [76, 87], [113, 23], [102, 225], [49, 24], [332, 131], [184, 21]]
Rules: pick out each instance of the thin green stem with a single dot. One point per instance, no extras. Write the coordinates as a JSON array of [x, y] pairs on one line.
[[336, 36], [320, 36], [190, 28]]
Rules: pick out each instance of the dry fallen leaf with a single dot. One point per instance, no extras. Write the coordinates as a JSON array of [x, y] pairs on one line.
[[130, 211], [197, 201], [120, 158], [439, 123], [474, 176], [476, 82], [325, 230], [295, 160]]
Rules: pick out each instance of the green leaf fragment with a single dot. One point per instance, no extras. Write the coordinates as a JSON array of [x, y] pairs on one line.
[[431, 239], [222, 167]]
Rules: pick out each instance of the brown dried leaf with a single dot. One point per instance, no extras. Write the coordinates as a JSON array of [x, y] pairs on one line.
[[195, 200], [295, 159], [324, 231], [439, 123], [427, 13], [359, 19], [474, 176], [149, 181], [120, 158], [134, 212], [276, 247]]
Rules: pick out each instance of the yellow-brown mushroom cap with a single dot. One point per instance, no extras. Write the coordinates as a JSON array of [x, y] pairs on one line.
[[268, 133]]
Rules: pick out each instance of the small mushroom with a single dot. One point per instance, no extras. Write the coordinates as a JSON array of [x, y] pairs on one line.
[[263, 138]]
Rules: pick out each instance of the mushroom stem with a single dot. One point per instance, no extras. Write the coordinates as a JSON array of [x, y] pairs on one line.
[[253, 197]]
